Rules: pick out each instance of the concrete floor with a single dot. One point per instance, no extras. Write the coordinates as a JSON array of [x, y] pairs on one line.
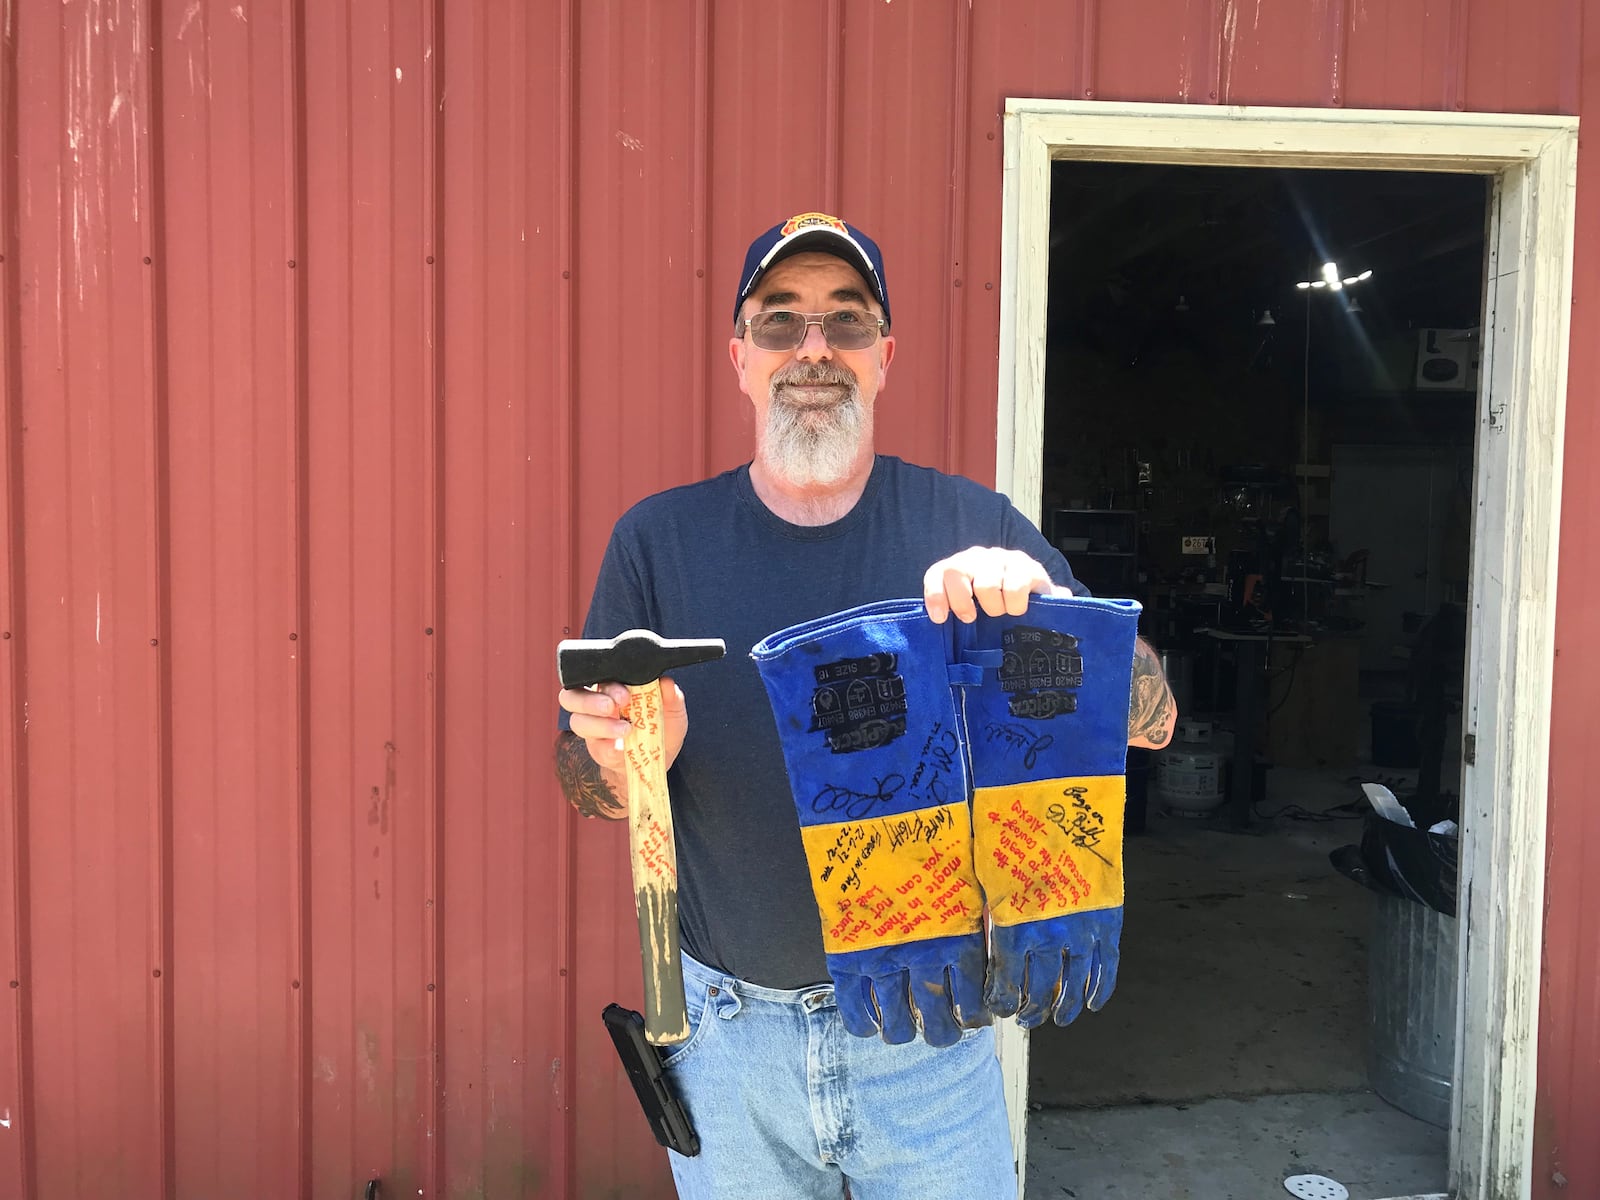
[[1233, 1149], [1233, 1052]]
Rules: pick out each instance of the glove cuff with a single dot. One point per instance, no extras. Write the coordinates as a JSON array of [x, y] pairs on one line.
[[1050, 847], [891, 880]]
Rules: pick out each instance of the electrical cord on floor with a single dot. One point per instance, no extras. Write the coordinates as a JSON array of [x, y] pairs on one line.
[[1288, 688], [1389, 781], [1353, 811]]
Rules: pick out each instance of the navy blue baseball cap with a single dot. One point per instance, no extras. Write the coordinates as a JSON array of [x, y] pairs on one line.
[[821, 233]]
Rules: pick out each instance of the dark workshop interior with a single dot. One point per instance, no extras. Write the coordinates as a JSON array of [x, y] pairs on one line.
[[1260, 417]]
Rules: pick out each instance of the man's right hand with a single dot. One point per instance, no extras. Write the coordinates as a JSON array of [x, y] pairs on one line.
[[598, 717]]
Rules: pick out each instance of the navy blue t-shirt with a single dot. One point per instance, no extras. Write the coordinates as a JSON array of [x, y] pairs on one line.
[[711, 560]]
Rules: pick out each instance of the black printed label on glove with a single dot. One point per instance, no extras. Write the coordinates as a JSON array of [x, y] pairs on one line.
[[1040, 672], [860, 703]]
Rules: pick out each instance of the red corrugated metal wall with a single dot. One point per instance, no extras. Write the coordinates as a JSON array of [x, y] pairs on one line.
[[334, 337]]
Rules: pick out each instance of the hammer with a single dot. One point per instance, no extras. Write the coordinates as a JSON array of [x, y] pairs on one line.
[[639, 658]]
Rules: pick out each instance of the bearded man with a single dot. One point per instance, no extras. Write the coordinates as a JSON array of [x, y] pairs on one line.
[[786, 1102]]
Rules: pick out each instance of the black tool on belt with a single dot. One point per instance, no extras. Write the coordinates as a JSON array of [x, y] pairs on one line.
[[643, 1064]]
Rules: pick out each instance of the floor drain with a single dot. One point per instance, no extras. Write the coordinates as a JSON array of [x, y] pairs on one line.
[[1315, 1187]]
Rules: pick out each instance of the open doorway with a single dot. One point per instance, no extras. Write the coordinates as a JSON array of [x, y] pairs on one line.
[[1260, 415], [1530, 164]]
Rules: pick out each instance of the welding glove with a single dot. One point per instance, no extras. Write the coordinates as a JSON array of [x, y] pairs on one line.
[[865, 715], [1047, 734]]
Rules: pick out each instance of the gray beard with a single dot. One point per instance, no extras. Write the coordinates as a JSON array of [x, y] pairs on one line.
[[812, 446]]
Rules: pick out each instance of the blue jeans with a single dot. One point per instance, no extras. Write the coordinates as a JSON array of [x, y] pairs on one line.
[[788, 1104]]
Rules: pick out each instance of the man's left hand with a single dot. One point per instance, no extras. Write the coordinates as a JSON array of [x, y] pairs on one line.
[[997, 580]]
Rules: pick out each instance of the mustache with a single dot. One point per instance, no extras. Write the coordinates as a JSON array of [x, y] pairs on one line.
[[814, 374]]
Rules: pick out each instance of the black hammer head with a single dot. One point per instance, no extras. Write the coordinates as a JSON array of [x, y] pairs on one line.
[[635, 657]]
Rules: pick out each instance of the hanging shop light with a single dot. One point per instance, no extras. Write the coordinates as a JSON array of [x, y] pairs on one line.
[[1332, 280]]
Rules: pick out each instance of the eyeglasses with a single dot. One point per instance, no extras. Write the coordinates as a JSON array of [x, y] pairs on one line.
[[844, 328]]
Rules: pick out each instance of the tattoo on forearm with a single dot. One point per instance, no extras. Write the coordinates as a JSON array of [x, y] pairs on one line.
[[586, 789], [1150, 703]]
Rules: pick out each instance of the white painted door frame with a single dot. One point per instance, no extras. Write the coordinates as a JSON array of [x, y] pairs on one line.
[[1517, 490]]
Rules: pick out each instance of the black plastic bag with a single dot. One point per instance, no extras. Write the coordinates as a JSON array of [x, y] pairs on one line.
[[1412, 863]]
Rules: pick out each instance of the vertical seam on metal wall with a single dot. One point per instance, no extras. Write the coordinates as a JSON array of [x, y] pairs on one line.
[[955, 235], [1088, 44], [1197, 75], [18, 979], [299, 582], [350, 606], [1339, 37], [699, 402], [159, 586], [1221, 49], [433, 302], [1572, 61], [566, 409], [1455, 74], [832, 150], [1556, 1129]]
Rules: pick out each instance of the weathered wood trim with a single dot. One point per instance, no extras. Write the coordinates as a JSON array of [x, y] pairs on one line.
[[1510, 665], [1011, 1047], [1024, 278], [1517, 506]]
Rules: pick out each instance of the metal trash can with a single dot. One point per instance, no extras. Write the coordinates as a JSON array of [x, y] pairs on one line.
[[1411, 999]]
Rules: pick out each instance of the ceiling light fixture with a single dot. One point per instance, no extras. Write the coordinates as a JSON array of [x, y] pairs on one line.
[[1332, 280], [1266, 317]]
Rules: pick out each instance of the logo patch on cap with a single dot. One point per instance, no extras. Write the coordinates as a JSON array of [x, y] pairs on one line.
[[811, 220]]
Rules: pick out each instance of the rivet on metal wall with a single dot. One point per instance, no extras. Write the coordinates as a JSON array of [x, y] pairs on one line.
[[147, 260], [988, 287], [430, 259], [958, 283], [428, 631], [156, 973], [295, 984], [155, 641], [430, 987], [566, 274], [291, 264], [6, 635], [294, 637], [699, 272], [17, 983], [991, 136]]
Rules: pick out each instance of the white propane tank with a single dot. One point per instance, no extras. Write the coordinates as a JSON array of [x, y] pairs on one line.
[[1189, 772]]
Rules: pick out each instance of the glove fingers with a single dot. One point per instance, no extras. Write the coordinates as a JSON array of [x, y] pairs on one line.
[[853, 994], [1074, 986], [1007, 964], [1042, 988], [892, 994], [966, 991], [930, 996], [1103, 981]]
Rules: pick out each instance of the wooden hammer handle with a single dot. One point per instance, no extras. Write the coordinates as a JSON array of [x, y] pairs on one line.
[[654, 860]]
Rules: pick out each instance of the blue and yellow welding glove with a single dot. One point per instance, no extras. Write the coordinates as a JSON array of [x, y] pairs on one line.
[[1047, 733], [865, 714]]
